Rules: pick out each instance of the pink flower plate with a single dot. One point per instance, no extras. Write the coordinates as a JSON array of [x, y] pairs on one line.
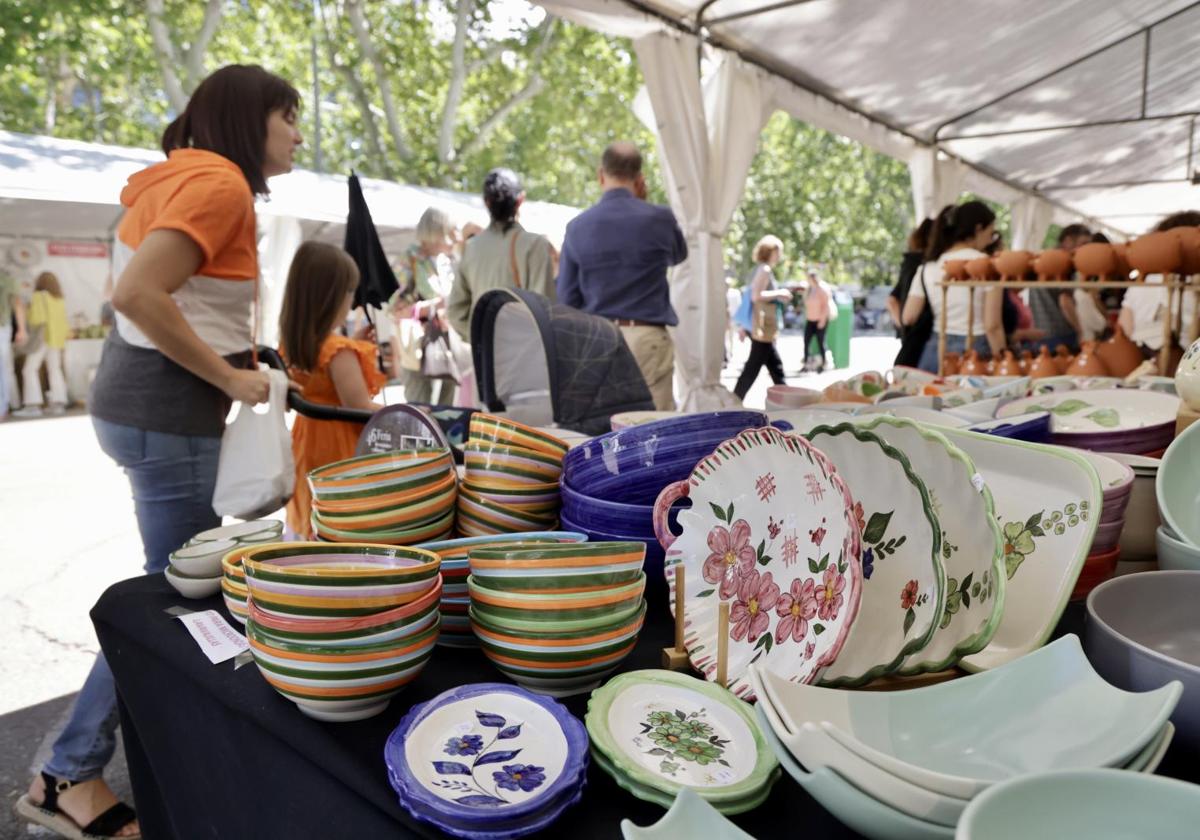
[[771, 531]]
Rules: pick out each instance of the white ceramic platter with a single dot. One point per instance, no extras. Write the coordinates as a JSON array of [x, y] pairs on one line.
[[972, 546], [803, 420], [1048, 501], [771, 532], [917, 413], [1092, 412], [904, 582]]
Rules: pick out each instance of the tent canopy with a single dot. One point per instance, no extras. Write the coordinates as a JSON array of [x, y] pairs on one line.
[[1090, 106]]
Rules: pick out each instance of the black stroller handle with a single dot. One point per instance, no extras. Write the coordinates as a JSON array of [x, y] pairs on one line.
[[307, 408]]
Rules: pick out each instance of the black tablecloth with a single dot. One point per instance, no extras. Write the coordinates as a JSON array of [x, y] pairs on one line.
[[216, 752]]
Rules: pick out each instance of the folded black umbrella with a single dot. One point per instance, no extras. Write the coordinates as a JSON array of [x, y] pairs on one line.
[[377, 282]]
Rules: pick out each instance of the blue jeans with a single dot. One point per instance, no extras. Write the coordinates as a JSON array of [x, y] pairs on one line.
[[954, 344], [172, 477]]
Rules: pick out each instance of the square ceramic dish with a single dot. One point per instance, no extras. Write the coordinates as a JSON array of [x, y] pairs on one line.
[[1048, 502]]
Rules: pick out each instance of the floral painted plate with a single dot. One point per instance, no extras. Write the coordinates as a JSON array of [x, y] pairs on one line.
[[772, 532], [1092, 412], [664, 731], [972, 546], [904, 582], [487, 755], [1048, 501]]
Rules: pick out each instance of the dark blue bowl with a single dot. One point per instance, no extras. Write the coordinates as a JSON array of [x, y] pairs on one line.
[[657, 594], [613, 517], [1033, 428], [633, 465]]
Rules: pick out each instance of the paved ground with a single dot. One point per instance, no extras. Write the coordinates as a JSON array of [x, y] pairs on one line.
[[67, 532]]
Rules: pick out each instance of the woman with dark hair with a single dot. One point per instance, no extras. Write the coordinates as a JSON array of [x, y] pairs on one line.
[[961, 232], [186, 259], [503, 256], [912, 338]]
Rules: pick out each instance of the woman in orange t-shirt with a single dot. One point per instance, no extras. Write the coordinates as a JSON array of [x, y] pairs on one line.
[[332, 369]]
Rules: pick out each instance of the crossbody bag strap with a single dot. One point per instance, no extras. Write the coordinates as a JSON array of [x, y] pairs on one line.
[[512, 259]]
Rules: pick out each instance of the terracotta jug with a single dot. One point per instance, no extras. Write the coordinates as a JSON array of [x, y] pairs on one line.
[[1096, 259], [1008, 365], [972, 365], [1189, 245], [1120, 253], [1025, 362], [1155, 253], [1053, 264], [952, 364], [989, 367], [1043, 365], [1013, 265], [1120, 355], [1062, 358], [955, 270], [1087, 363], [981, 269]]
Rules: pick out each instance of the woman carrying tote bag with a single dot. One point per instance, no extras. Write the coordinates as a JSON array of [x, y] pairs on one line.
[[766, 300]]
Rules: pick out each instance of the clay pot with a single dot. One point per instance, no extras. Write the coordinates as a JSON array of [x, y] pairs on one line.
[[951, 364], [972, 365], [1120, 355], [1062, 358], [1155, 253], [1087, 363], [1008, 365], [1025, 362], [1013, 265], [839, 393], [1120, 253], [955, 270], [1189, 246], [981, 268], [1096, 259], [1043, 365], [1053, 264]]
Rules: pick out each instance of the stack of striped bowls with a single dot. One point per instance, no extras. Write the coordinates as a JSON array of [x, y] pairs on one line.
[[456, 626], [403, 497], [340, 629], [557, 619], [511, 484]]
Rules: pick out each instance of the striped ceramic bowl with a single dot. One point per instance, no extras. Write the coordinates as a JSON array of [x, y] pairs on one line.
[[502, 518], [493, 465], [369, 476], [564, 569], [488, 428], [559, 663], [432, 529], [341, 683], [431, 503], [530, 497], [392, 496], [567, 612], [337, 581], [235, 596]]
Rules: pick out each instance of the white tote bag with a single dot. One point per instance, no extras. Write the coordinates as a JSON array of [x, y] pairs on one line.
[[256, 473]]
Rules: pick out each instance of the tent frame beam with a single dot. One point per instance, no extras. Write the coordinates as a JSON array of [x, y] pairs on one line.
[[746, 13], [1144, 32], [1105, 185], [1011, 132]]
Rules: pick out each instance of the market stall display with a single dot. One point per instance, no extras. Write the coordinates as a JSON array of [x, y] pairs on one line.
[[195, 568]]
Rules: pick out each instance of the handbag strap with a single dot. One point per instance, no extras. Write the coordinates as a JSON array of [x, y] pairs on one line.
[[512, 259], [254, 328]]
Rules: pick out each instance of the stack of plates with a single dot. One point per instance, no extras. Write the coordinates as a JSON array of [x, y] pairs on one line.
[[557, 619], [907, 763], [195, 568], [1105, 420], [456, 626], [340, 629], [1116, 481], [1141, 514], [512, 473], [658, 732], [487, 761], [403, 497]]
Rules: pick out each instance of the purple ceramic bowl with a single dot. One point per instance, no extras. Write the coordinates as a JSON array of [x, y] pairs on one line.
[[470, 818], [1108, 534], [1129, 442], [611, 517]]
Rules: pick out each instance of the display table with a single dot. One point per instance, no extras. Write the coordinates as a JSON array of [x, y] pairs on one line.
[[216, 752]]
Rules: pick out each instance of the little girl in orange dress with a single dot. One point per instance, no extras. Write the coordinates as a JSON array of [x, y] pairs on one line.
[[330, 368]]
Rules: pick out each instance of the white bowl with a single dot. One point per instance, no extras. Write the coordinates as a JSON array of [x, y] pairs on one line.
[[203, 559], [193, 587]]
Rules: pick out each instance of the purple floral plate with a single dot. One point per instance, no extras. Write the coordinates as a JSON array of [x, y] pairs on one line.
[[487, 760]]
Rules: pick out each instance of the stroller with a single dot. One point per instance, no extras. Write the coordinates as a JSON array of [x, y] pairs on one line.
[[544, 363]]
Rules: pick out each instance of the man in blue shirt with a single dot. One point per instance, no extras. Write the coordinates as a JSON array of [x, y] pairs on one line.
[[614, 264]]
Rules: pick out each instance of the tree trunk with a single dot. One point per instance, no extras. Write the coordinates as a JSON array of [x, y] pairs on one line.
[[458, 81], [166, 55], [362, 34]]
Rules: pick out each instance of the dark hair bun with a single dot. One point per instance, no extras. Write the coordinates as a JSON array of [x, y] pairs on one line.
[[501, 192]]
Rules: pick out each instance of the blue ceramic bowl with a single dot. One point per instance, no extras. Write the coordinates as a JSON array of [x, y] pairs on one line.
[[612, 517], [633, 465]]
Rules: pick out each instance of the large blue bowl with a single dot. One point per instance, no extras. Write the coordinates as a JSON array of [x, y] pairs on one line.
[[613, 517], [657, 593], [633, 465]]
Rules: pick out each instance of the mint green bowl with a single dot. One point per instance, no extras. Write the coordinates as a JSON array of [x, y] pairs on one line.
[[1178, 488], [1092, 804]]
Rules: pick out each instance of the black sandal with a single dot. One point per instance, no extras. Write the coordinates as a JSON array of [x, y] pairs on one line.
[[47, 815]]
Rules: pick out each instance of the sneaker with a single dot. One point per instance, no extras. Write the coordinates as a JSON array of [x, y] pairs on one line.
[[56, 409], [28, 411]]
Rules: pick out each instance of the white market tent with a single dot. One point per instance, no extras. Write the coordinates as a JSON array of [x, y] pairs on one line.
[[1077, 110]]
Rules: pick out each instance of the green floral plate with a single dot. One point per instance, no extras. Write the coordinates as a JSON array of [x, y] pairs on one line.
[[657, 732]]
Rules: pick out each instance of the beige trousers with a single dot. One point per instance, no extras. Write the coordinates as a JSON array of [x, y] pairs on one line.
[[655, 354]]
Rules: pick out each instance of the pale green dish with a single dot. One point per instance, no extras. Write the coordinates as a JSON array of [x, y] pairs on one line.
[[1177, 487], [648, 794], [662, 731], [1096, 804], [689, 817]]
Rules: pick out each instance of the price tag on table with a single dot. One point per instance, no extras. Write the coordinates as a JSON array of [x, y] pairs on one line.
[[213, 634]]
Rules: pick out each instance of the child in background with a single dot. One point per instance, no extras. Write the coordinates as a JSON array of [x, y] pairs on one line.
[[48, 327], [330, 368]]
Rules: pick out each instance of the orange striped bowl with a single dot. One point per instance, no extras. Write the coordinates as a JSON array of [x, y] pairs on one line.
[[501, 519], [393, 496], [341, 683], [530, 497], [500, 431], [564, 569], [559, 663], [510, 466], [367, 473], [562, 611], [430, 503], [433, 529]]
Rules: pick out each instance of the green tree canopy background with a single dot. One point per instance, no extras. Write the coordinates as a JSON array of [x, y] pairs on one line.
[[435, 93]]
